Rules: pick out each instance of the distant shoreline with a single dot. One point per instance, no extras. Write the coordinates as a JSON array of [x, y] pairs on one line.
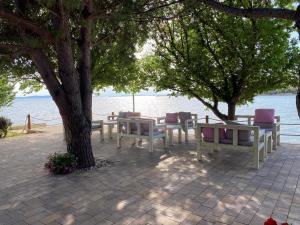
[[162, 95]]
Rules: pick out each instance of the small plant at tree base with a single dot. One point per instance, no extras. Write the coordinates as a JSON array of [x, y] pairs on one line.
[[4, 125], [61, 163], [271, 221]]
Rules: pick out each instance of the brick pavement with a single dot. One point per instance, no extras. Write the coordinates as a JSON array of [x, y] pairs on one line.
[[166, 187]]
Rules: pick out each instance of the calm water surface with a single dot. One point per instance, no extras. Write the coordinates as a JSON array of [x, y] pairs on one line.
[[43, 109]]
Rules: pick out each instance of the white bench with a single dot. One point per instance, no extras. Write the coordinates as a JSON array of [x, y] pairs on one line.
[[98, 125], [257, 145], [140, 128], [275, 129], [190, 124]]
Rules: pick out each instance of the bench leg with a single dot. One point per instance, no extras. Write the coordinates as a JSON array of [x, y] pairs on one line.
[[274, 141], [270, 144], [140, 142], [101, 134], [110, 131], [165, 140], [186, 134], [256, 158], [170, 134], [150, 145], [262, 154], [266, 146], [179, 136], [199, 152], [118, 141]]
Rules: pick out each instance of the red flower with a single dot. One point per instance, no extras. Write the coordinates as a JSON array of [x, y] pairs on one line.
[[284, 224], [270, 221]]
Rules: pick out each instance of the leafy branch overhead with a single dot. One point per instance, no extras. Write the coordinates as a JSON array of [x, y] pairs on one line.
[[215, 57]]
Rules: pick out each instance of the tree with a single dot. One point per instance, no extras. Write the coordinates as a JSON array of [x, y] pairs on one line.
[[281, 9], [61, 40], [7, 94], [219, 58]]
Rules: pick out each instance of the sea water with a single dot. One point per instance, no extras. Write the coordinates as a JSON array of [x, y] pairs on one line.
[[43, 109]]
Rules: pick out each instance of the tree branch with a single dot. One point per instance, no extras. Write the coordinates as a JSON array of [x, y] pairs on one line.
[[253, 12], [22, 23]]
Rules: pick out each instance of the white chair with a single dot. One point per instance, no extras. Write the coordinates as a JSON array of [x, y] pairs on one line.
[[98, 125], [141, 128], [266, 120], [213, 136]]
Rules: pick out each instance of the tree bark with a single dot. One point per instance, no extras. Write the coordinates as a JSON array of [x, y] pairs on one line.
[[76, 126], [78, 139], [231, 111], [69, 86], [214, 108], [297, 25]]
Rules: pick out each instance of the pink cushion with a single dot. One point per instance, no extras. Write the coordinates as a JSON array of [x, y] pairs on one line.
[[171, 118], [264, 116], [208, 133], [133, 114]]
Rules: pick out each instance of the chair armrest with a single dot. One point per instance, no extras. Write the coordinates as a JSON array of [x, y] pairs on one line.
[[191, 120], [112, 117], [159, 119], [261, 134], [160, 126]]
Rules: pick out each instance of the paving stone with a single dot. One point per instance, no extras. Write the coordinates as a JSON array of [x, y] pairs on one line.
[[146, 189]]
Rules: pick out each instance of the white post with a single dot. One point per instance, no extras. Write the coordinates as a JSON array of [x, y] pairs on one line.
[[133, 103]]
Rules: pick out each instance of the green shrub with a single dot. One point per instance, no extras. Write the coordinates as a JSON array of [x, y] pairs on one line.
[[4, 125], [61, 163]]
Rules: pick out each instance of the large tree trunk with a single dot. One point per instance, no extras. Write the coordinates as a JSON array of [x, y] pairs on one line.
[[297, 24], [65, 69], [231, 110], [77, 125], [78, 139]]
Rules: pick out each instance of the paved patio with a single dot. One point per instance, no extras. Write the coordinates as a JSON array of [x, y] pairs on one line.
[[166, 187]]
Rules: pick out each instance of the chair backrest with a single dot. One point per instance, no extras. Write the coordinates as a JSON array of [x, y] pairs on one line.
[[208, 133], [129, 114], [171, 118], [184, 116], [141, 126], [264, 116], [217, 131]]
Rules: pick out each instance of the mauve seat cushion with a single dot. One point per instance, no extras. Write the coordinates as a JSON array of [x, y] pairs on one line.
[[208, 133], [268, 126], [242, 143], [264, 116], [133, 114], [156, 132], [172, 118], [243, 135], [122, 115], [183, 116]]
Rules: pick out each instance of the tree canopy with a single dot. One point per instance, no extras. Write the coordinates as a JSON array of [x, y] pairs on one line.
[[283, 9], [7, 94], [215, 57], [59, 44]]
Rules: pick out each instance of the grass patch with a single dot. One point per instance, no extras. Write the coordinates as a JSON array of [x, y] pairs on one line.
[[13, 133]]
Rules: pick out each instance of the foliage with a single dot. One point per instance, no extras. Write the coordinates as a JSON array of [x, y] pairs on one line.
[[7, 94], [61, 44], [216, 58], [61, 163], [116, 36], [4, 126]]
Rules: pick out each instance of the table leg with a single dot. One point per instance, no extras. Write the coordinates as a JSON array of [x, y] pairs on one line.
[[179, 136], [110, 127], [170, 133]]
